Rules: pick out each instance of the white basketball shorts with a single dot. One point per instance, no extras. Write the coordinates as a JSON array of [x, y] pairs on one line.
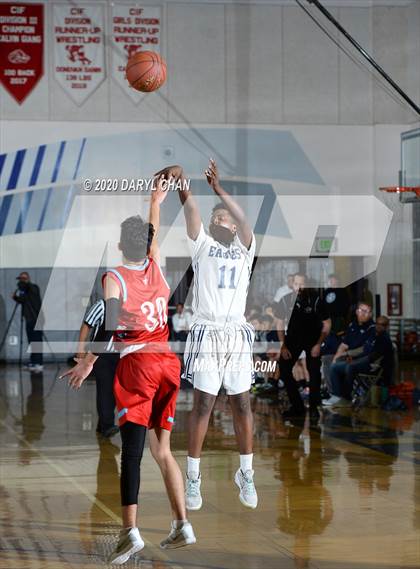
[[220, 356]]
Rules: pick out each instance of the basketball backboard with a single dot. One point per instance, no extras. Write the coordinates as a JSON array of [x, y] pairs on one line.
[[410, 163], [410, 176]]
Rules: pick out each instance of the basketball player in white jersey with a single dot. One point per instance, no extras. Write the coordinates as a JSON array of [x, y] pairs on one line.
[[219, 345]]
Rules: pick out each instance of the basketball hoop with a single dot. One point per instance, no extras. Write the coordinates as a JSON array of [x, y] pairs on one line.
[[401, 189], [411, 194]]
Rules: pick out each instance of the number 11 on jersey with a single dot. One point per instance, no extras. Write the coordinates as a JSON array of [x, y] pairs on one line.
[[222, 275]]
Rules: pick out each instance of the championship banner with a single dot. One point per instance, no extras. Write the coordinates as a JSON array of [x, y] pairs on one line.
[[21, 48], [79, 54], [133, 29]]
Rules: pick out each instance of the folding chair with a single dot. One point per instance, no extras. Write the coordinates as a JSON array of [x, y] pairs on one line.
[[363, 384]]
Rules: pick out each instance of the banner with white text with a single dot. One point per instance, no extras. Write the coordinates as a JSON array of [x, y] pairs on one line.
[[21, 48], [79, 54]]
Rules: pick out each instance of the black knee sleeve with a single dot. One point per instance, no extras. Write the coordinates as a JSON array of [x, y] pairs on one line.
[[133, 439]]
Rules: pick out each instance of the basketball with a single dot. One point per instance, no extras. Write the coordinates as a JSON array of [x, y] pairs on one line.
[[146, 71]]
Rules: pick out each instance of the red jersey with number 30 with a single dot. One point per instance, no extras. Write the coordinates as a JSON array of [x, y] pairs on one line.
[[144, 310]]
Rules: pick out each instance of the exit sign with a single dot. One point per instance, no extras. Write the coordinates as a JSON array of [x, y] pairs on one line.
[[326, 245]]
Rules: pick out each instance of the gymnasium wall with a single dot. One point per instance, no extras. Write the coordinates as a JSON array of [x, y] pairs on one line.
[[253, 62], [290, 161]]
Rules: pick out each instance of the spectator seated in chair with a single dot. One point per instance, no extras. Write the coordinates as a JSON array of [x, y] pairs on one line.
[[269, 328], [376, 351], [181, 323]]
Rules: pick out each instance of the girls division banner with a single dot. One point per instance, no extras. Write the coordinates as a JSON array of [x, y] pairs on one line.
[[21, 48], [133, 28], [79, 54]]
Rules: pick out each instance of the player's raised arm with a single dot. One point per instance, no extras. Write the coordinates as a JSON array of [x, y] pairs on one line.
[[191, 211], [242, 226], [159, 193]]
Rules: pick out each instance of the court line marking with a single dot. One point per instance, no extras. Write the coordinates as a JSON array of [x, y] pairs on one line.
[[62, 472]]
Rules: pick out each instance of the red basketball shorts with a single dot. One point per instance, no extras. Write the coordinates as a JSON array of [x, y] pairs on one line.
[[146, 386]]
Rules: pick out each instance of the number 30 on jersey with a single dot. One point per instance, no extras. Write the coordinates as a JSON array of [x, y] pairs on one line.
[[155, 312]]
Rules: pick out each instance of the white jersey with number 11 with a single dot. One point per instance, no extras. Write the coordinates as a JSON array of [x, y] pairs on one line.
[[221, 279]]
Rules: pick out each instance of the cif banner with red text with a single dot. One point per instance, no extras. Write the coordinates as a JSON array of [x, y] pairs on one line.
[[79, 53], [21, 47], [133, 28]]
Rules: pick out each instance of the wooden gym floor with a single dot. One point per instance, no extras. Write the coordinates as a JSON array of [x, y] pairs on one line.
[[348, 499]]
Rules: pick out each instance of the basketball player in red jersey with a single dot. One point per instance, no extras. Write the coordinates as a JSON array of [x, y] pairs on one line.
[[147, 379]]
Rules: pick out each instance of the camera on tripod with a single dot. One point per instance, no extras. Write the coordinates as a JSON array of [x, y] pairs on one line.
[[22, 287]]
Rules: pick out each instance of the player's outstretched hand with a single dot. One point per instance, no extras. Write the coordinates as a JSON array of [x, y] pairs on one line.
[[212, 173], [170, 172], [160, 189], [77, 374]]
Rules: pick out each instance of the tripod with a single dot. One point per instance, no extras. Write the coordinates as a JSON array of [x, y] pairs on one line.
[[21, 331], [3, 341]]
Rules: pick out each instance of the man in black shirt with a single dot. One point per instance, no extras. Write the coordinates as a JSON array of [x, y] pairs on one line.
[[303, 314], [27, 294], [337, 303]]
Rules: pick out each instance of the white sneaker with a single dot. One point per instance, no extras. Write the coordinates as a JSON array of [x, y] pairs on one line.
[[130, 542], [331, 401], [193, 499], [179, 537], [248, 494]]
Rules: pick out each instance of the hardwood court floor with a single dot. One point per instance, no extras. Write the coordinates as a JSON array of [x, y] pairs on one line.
[[347, 499]]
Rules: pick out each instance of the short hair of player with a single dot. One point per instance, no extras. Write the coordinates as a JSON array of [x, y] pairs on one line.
[[136, 238], [219, 205]]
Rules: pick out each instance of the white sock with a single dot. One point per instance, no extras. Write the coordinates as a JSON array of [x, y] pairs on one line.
[[193, 467], [246, 461], [127, 530]]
